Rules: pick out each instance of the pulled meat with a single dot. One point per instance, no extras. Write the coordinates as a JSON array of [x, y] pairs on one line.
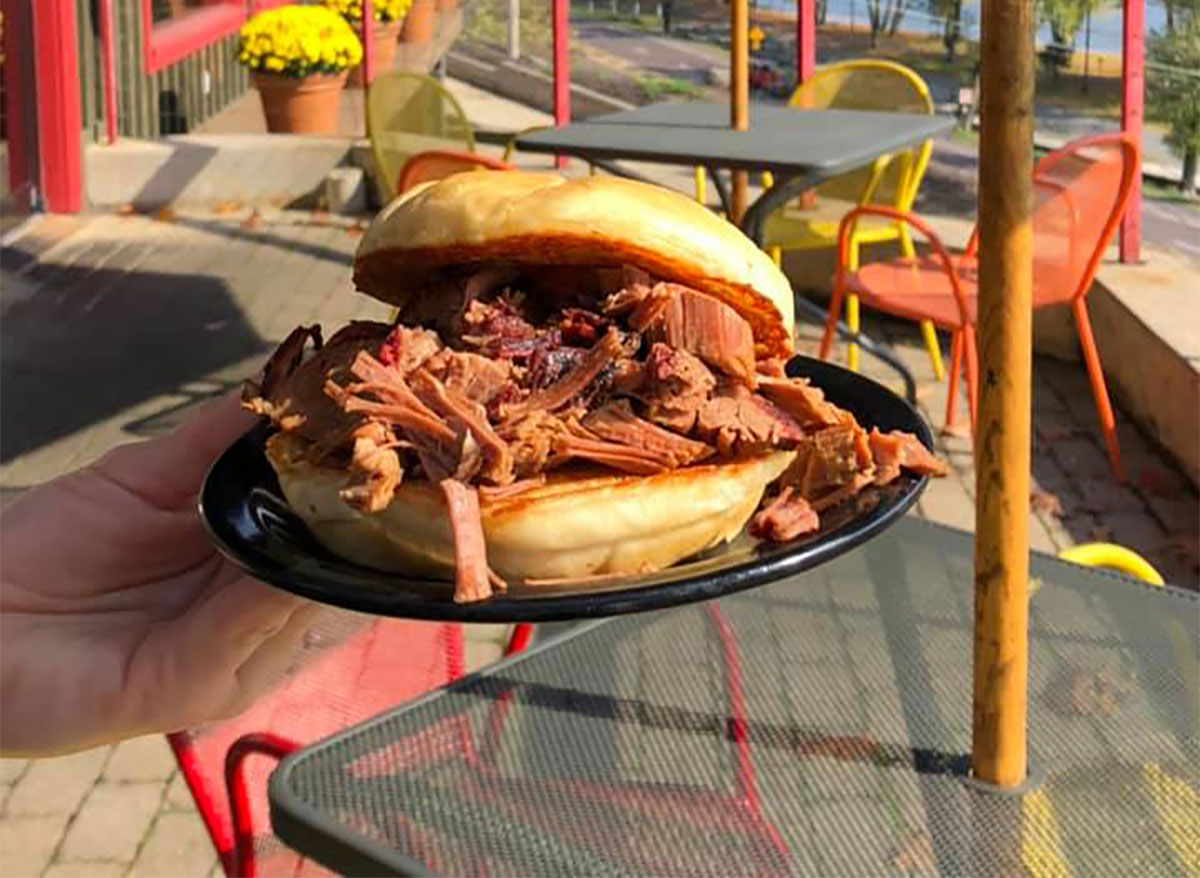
[[894, 451], [694, 322], [805, 403], [577, 442], [472, 577], [829, 459], [375, 468], [739, 422], [566, 389], [484, 391], [616, 422], [406, 349], [786, 517], [674, 385]]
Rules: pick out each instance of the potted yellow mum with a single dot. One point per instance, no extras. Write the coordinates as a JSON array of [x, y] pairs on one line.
[[298, 57], [389, 17]]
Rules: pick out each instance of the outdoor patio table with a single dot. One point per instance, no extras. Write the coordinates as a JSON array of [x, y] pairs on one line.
[[802, 149], [820, 725]]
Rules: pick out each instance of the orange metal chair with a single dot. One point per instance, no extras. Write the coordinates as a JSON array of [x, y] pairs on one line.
[[436, 164], [353, 670], [1080, 193]]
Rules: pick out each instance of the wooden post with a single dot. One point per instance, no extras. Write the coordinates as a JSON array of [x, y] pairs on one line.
[[1133, 95], [1002, 438], [739, 83]]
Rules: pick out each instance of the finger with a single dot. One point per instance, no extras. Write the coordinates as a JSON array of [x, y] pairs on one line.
[[168, 471]]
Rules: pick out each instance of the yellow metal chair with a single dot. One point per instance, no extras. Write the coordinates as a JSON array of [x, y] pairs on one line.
[[408, 113], [891, 181]]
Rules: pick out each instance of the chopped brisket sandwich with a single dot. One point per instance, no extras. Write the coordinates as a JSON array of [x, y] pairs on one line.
[[585, 380]]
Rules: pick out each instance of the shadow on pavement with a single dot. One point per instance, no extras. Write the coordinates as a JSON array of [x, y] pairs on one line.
[[101, 341]]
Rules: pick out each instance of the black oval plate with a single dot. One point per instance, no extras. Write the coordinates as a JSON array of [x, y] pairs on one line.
[[251, 523]]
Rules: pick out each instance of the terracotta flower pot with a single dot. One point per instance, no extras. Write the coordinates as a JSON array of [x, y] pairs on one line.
[[418, 24], [300, 106], [384, 37]]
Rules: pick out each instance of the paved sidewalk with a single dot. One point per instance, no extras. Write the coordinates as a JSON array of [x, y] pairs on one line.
[[160, 313]]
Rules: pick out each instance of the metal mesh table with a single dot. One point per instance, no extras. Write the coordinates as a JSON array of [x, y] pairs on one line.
[[820, 725]]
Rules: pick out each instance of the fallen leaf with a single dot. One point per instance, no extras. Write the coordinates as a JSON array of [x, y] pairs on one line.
[[164, 215], [1043, 501], [253, 221], [319, 218], [126, 210], [1158, 481], [226, 207]]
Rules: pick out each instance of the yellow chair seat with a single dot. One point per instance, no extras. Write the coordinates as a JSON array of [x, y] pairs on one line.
[[796, 229]]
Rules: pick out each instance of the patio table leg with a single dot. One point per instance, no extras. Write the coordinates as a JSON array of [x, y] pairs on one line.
[[722, 189]]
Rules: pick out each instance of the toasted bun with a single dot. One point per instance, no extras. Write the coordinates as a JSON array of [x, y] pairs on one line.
[[545, 219], [570, 527]]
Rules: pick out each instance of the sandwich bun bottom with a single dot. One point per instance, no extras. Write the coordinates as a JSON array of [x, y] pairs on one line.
[[575, 525]]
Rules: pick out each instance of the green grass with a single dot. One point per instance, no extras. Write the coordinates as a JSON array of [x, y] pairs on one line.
[[656, 88], [1164, 192]]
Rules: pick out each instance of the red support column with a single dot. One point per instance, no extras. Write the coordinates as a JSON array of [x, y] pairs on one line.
[[562, 68], [368, 42], [806, 39], [1133, 91], [59, 116]]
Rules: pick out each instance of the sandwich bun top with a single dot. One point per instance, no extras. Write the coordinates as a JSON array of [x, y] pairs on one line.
[[545, 219]]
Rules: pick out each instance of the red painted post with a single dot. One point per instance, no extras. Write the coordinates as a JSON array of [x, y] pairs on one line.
[[107, 56], [59, 115], [368, 41], [19, 104], [1133, 91], [562, 69], [806, 39]]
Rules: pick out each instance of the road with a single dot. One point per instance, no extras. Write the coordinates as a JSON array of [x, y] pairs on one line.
[[1169, 225]]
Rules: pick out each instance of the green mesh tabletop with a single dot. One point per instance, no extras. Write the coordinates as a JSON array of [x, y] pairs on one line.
[[817, 726]]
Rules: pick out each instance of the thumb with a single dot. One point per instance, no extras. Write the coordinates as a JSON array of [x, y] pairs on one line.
[[167, 471]]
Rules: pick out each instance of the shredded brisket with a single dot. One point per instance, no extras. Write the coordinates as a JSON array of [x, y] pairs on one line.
[[786, 517], [482, 391]]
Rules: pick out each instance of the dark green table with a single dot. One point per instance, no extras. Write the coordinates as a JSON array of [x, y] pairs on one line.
[[817, 726], [802, 148]]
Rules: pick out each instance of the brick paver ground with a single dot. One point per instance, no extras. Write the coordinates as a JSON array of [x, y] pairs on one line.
[[159, 313]]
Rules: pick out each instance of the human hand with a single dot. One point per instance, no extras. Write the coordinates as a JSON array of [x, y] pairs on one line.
[[117, 615]]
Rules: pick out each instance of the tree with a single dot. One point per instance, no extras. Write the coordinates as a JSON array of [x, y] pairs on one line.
[[884, 15], [1178, 10], [1065, 17], [1173, 91], [950, 12]]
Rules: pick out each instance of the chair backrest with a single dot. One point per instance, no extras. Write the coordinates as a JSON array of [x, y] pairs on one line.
[[1080, 192], [869, 84], [352, 668], [436, 164], [408, 113]]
